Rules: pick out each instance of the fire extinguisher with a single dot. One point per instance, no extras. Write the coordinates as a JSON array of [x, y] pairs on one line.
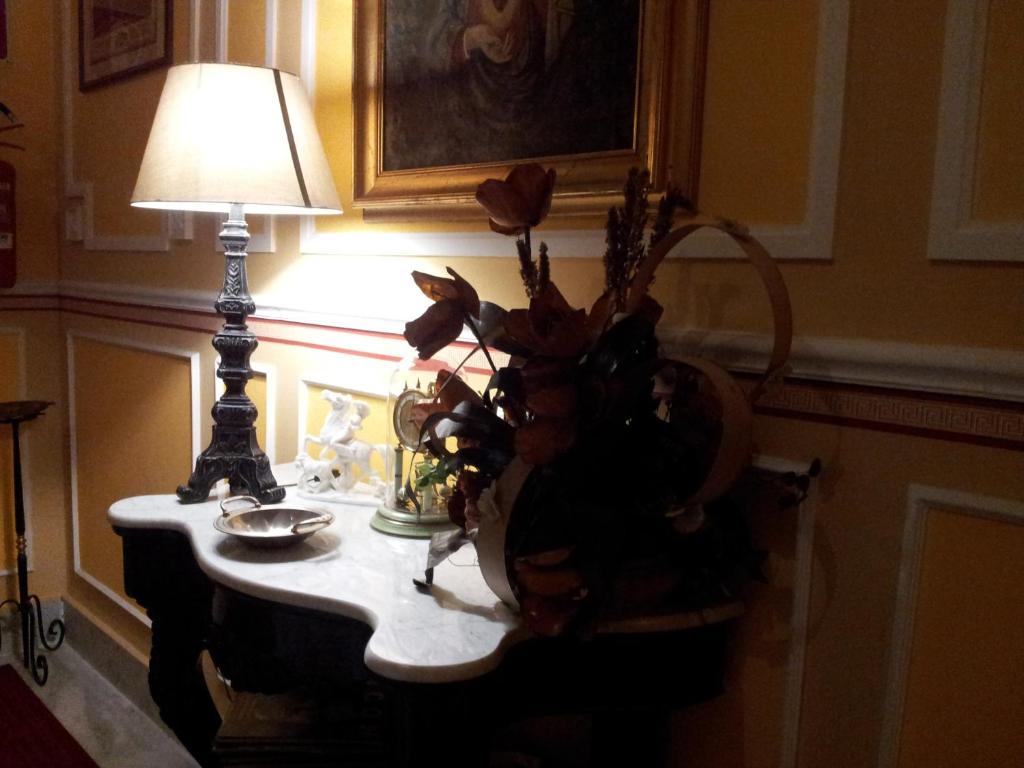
[[8, 272]]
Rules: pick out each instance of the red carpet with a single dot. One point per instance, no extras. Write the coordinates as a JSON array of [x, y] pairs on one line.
[[30, 737]]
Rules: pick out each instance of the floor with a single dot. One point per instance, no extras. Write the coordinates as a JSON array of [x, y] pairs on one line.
[[117, 734], [114, 732]]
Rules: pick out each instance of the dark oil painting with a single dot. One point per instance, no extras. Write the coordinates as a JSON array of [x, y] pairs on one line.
[[487, 81]]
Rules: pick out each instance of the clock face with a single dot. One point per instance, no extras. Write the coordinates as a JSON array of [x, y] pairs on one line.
[[406, 431]]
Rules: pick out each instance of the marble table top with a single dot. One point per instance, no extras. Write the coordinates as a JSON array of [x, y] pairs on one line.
[[458, 631]]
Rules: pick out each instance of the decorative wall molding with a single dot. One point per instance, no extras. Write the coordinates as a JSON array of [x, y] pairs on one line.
[[31, 289], [307, 53], [266, 241], [21, 387], [958, 419], [221, 31], [270, 36], [811, 239], [78, 225], [193, 358], [307, 74], [920, 500], [139, 297], [996, 374], [195, 30], [953, 233], [956, 371]]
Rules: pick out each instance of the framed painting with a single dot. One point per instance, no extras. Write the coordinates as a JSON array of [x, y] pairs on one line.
[[448, 93], [118, 38]]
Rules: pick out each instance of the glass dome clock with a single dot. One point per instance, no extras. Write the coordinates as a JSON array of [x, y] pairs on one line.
[[415, 505]]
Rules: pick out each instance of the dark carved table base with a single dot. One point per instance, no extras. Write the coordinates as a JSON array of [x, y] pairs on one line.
[[161, 574], [628, 683]]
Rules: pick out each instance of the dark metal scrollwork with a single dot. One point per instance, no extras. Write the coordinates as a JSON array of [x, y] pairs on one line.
[[31, 620]]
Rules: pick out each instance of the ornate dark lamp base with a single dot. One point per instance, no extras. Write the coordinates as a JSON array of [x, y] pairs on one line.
[[28, 606], [247, 469], [234, 452]]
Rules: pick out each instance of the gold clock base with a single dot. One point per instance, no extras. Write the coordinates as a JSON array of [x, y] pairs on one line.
[[398, 522]]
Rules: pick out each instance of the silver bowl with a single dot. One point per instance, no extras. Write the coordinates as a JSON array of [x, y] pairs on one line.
[[269, 527]]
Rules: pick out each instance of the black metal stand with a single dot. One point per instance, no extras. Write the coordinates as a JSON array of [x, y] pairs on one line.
[[234, 452], [28, 605]]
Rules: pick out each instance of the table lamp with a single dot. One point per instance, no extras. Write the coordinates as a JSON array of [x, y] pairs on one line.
[[232, 139]]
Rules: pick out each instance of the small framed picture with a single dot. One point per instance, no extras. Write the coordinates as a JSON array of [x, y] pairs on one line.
[[119, 38]]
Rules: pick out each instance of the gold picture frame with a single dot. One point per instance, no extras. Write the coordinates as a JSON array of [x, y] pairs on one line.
[[666, 100]]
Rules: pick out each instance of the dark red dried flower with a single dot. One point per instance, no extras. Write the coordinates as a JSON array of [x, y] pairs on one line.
[[522, 200]]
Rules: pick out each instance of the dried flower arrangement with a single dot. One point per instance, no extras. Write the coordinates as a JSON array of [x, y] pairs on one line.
[[595, 474]]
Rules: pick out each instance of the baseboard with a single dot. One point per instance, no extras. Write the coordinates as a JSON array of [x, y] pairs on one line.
[[10, 628], [108, 657]]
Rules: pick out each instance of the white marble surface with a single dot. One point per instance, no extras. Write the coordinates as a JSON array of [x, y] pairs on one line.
[[457, 632]]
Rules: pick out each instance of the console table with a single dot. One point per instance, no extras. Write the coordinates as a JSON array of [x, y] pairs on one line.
[[340, 610]]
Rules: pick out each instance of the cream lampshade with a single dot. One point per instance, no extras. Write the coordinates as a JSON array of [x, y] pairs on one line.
[[234, 139], [228, 133]]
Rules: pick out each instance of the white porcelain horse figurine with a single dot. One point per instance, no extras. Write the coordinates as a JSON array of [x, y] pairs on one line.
[[338, 426], [340, 451], [315, 475]]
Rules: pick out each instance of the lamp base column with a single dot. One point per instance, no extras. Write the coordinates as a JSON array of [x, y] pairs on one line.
[[233, 453]]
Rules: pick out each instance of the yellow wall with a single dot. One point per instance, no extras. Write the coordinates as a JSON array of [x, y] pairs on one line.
[[33, 367], [40, 361], [29, 88], [133, 433], [877, 284], [858, 539], [738, 164], [100, 119], [965, 674], [247, 22], [745, 726]]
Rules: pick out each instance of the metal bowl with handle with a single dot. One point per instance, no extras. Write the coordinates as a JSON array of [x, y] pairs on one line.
[[269, 527]]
